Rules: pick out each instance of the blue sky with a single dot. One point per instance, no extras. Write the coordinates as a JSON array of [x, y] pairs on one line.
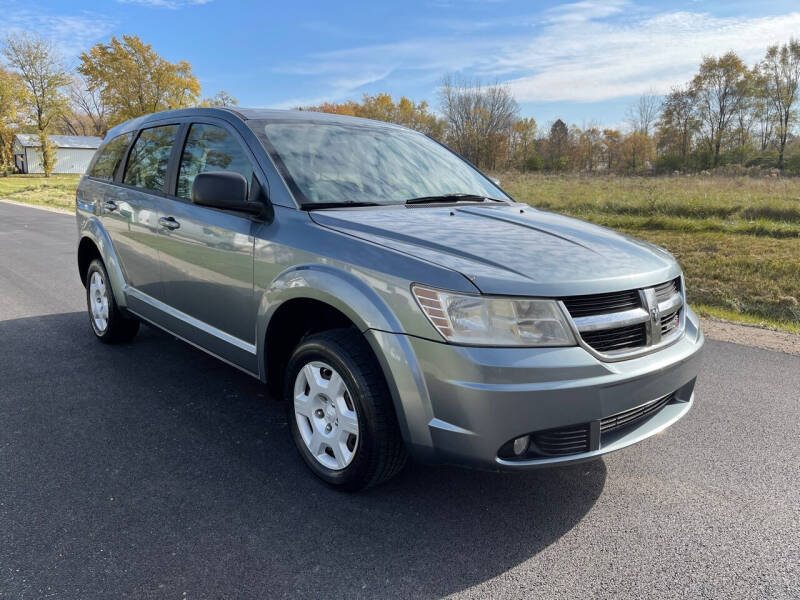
[[581, 61]]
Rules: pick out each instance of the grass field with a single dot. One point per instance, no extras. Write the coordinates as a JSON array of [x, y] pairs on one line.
[[738, 239], [57, 191]]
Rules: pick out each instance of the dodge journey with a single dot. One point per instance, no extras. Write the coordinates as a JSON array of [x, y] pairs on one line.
[[396, 298]]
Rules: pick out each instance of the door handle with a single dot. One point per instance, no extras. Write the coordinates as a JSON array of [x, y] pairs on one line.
[[110, 205], [169, 223]]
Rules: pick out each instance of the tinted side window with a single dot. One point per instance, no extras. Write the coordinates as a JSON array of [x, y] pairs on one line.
[[210, 148], [148, 159], [109, 157]]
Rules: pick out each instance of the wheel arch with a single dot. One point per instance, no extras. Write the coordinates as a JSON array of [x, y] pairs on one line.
[[95, 243], [338, 294]]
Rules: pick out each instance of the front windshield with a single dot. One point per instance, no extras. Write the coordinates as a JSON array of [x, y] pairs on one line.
[[334, 163]]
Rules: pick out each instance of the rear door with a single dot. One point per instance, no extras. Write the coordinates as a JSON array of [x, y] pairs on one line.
[[131, 209], [207, 254]]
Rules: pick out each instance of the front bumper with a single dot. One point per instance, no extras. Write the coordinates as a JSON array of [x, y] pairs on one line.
[[462, 404]]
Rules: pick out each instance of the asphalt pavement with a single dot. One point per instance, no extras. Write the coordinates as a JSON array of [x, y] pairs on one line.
[[151, 470]]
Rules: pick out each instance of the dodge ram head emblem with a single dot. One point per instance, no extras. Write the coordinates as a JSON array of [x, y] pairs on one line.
[[654, 324]]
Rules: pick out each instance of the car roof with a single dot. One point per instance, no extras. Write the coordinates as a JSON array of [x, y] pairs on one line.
[[247, 114]]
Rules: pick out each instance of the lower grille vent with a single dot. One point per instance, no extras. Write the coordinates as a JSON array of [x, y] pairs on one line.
[[561, 442], [577, 439], [634, 415]]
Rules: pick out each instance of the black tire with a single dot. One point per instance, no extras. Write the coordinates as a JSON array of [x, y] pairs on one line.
[[380, 452], [119, 328]]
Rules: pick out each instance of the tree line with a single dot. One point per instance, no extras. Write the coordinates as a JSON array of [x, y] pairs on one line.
[[727, 114]]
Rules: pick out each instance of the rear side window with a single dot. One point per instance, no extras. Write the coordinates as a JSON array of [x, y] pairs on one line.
[[210, 148], [149, 157], [109, 157]]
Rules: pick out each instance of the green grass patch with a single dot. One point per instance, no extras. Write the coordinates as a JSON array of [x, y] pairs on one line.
[[57, 191], [746, 318], [697, 197]]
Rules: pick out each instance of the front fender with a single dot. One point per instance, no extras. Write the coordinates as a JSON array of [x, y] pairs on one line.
[[92, 228], [371, 315]]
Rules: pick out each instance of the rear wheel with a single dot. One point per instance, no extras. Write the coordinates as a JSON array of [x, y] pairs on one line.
[[340, 411], [108, 323]]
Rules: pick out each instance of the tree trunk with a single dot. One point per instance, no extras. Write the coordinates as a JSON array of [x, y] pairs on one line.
[[48, 160]]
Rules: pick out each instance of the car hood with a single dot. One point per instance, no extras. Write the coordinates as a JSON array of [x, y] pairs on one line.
[[510, 248]]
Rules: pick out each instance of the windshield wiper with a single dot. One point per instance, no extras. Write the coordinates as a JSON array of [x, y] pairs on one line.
[[451, 198], [317, 205]]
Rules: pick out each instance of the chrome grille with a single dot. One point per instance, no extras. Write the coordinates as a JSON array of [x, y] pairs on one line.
[[597, 304], [625, 324], [607, 340], [669, 323], [668, 289]]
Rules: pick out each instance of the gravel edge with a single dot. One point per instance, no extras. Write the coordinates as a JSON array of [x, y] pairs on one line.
[[749, 335]]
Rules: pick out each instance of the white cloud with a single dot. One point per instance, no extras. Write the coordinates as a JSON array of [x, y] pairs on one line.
[[71, 33], [170, 4], [598, 61], [584, 51], [585, 11]]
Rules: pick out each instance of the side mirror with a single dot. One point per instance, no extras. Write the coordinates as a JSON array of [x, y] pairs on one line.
[[223, 189]]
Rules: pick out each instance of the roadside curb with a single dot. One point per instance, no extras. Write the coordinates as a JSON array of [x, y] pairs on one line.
[[62, 211]]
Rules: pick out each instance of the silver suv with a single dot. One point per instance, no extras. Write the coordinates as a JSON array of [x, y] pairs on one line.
[[395, 297]]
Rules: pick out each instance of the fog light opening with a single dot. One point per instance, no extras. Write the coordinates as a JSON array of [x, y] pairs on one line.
[[521, 445]]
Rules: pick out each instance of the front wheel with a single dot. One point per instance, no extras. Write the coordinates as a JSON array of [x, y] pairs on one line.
[[108, 323], [340, 411]]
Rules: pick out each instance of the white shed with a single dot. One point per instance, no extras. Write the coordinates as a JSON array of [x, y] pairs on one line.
[[73, 152]]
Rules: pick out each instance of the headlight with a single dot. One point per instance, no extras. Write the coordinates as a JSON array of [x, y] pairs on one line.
[[493, 321]]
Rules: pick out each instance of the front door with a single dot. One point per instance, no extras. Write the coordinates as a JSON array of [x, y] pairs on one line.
[[207, 254]]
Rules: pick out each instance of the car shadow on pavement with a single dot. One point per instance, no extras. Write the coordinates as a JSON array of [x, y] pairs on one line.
[[151, 469]]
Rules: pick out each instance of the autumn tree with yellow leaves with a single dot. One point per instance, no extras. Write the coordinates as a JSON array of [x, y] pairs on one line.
[[133, 80], [12, 99]]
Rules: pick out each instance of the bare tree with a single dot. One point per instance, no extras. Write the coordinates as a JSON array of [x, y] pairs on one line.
[[644, 113], [221, 98], [678, 123], [764, 113], [720, 87], [39, 66], [479, 118], [781, 67], [89, 114], [744, 119]]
